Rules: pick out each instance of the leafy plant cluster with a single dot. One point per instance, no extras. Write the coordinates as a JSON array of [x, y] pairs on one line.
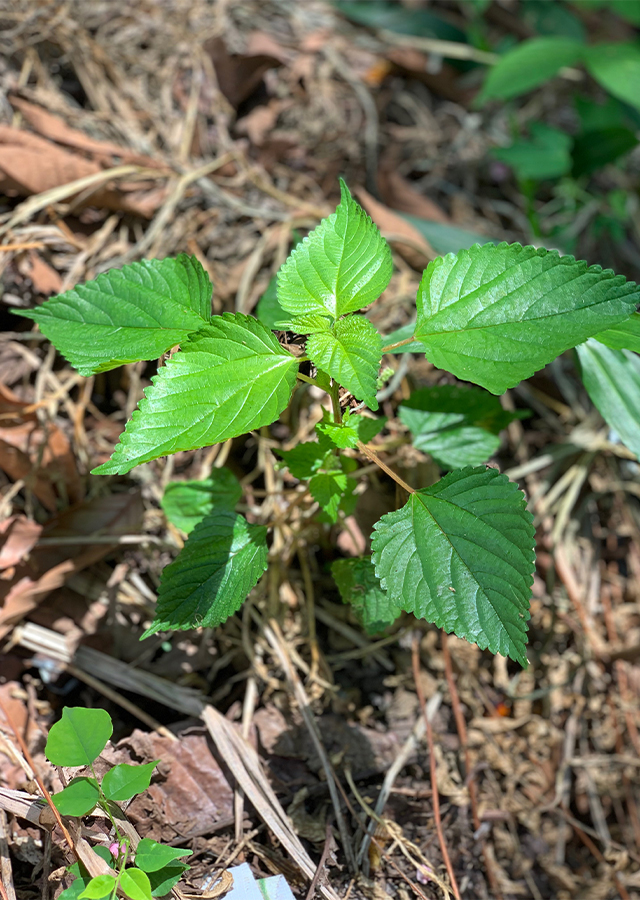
[[459, 553], [140, 873]]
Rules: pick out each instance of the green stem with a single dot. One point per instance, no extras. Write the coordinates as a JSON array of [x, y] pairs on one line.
[[334, 393], [307, 379], [391, 347]]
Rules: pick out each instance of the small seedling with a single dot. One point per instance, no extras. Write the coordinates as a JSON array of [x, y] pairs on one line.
[[152, 869], [459, 553]]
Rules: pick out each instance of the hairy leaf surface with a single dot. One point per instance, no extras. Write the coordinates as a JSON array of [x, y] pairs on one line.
[[625, 336], [360, 587], [125, 315], [212, 575], [461, 554], [495, 315], [351, 355], [228, 378], [612, 378], [343, 265]]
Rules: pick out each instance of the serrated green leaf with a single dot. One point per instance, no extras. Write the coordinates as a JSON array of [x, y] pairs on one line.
[[460, 554], [212, 575], [625, 336], [78, 798], [124, 315], [152, 856], [79, 737], [360, 587], [185, 503], [310, 324], [230, 377], [135, 883], [328, 489], [351, 355], [612, 378], [305, 459], [495, 315], [616, 67], [352, 429], [99, 887], [528, 65], [123, 781], [458, 426], [343, 265]]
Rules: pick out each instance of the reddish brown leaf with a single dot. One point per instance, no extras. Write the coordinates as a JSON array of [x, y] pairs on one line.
[[415, 249], [17, 536]]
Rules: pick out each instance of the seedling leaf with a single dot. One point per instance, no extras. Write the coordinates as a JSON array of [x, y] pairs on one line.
[[343, 265], [360, 587], [495, 315], [152, 856], [136, 885], [99, 887], [531, 63], [79, 737], [185, 503], [123, 781], [124, 315], [78, 798], [228, 378], [209, 580], [612, 378], [328, 488], [460, 554], [351, 355]]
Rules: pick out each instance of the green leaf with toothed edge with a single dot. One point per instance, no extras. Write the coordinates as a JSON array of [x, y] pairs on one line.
[[351, 355], [212, 575], [360, 587], [495, 315], [625, 336], [460, 554], [328, 489], [230, 377], [343, 265], [185, 503], [125, 315]]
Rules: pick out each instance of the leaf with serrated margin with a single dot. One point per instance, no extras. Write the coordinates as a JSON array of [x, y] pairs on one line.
[[351, 354], [305, 459], [125, 315], [347, 433], [328, 489], [343, 265], [495, 315], [360, 587], [460, 554], [185, 503], [310, 324], [612, 379], [212, 575], [625, 336], [228, 378], [457, 425]]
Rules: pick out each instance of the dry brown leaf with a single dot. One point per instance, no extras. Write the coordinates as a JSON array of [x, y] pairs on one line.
[[44, 277], [399, 194], [409, 243], [17, 465], [238, 75], [52, 127], [18, 535]]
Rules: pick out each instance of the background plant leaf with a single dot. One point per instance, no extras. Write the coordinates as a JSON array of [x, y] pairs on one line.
[[360, 587], [531, 63], [460, 554], [625, 336], [343, 265], [352, 429], [458, 426], [616, 67], [612, 379], [305, 459], [351, 355], [124, 315], [546, 154], [212, 575], [79, 737], [328, 489], [228, 378], [185, 503], [495, 315]]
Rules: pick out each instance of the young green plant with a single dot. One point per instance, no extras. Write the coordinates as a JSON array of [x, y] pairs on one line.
[[459, 553], [77, 739]]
